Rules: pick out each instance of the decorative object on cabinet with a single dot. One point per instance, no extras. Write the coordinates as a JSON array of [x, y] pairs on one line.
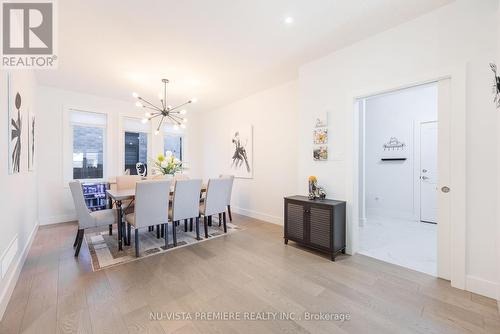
[[496, 85], [313, 186], [141, 169], [393, 150], [241, 152], [320, 225]]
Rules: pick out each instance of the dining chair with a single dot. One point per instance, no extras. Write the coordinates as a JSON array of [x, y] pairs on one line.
[[229, 195], [124, 182], [179, 177], [151, 207], [185, 205], [86, 218], [215, 201]]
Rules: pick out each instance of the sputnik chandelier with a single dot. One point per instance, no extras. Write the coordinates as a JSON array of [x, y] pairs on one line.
[[174, 115]]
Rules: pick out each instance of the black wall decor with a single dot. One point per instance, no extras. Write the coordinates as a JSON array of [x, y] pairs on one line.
[[496, 85]]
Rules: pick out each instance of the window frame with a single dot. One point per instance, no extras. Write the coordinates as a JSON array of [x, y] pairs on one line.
[[121, 133], [68, 127]]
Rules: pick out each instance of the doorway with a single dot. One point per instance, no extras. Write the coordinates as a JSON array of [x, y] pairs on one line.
[[399, 183]]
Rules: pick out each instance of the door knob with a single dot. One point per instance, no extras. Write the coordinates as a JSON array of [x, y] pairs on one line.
[[424, 178], [445, 189]]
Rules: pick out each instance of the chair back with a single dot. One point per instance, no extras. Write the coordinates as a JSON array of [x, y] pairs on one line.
[[186, 201], [231, 177], [85, 220], [124, 182], [217, 194], [179, 177], [151, 202]]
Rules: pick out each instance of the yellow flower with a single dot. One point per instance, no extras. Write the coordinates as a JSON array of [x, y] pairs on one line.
[[161, 157], [312, 178]]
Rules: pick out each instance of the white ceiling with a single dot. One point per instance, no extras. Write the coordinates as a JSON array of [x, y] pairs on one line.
[[216, 50]]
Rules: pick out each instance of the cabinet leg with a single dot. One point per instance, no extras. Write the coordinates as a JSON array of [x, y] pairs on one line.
[[286, 241], [343, 251]]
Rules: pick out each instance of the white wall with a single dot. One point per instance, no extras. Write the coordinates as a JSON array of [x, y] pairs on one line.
[[273, 114], [434, 44], [55, 203], [389, 186], [18, 198]]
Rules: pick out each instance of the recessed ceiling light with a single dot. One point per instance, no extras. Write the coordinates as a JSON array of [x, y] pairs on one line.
[[289, 20]]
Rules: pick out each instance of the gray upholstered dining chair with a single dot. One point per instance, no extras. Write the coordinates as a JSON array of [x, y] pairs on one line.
[[231, 177], [215, 202], [185, 205], [86, 218], [151, 207]]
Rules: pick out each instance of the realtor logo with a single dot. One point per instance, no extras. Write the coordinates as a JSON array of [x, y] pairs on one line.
[[28, 35]]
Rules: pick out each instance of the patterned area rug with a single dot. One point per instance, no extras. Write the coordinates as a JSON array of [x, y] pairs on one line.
[[104, 247]]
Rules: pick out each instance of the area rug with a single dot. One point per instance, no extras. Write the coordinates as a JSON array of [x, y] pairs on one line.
[[104, 247]]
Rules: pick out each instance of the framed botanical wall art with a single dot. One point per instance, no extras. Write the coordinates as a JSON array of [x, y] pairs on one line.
[[320, 153], [241, 152], [320, 136], [31, 140], [15, 125]]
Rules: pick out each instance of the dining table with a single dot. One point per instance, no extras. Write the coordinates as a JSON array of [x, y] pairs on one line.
[[118, 197]]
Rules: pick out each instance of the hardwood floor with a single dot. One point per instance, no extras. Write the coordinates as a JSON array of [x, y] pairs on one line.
[[247, 271]]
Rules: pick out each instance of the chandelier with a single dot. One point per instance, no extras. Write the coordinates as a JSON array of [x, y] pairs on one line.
[[173, 115]]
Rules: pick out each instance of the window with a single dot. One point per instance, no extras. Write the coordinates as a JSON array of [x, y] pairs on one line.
[[173, 142], [135, 144], [88, 144]]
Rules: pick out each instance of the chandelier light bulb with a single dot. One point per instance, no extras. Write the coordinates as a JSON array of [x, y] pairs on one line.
[[157, 132], [185, 120], [148, 114], [183, 112], [183, 126], [194, 100], [138, 104], [135, 95], [144, 120]]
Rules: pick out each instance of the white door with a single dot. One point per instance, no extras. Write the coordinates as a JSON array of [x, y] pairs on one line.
[[429, 172]]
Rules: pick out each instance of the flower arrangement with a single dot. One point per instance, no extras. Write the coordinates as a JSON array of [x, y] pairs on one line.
[[167, 164]]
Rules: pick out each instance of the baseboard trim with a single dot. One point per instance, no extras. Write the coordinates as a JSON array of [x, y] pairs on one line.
[[57, 219], [14, 272], [481, 286], [258, 215]]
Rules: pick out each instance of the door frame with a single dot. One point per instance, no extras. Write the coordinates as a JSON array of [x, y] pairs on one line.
[[452, 82]]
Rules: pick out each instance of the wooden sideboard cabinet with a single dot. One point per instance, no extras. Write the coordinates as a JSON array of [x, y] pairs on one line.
[[318, 224]]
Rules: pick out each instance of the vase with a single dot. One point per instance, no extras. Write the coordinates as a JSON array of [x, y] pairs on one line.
[[313, 186]]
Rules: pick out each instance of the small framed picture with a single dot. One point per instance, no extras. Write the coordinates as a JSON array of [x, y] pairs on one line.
[[320, 153], [320, 136], [321, 121]]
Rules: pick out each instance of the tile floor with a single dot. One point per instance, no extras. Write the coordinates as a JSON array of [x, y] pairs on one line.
[[406, 243]]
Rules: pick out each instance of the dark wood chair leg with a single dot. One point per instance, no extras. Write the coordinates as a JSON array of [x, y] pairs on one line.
[[79, 244], [197, 228], [174, 233], [229, 213], [162, 231], [129, 233], [76, 238], [220, 218], [166, 235], [185, 225], [224, 220], [136, 232], [157, 231], [191, 225], [209, 220], [205, 224], [110, 229]]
